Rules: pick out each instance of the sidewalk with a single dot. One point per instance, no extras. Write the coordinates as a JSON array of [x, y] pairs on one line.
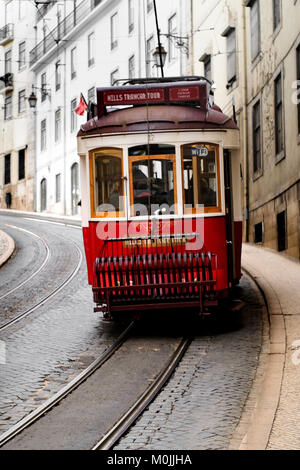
[[49, 215], [7, 247], [272, 413]]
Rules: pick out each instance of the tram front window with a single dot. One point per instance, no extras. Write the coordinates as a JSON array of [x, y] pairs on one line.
[[108, 186], [200, 177], [153, 181]]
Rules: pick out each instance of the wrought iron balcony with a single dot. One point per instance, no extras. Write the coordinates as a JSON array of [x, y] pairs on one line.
[[62, 29], [6, 34], [6, 83]]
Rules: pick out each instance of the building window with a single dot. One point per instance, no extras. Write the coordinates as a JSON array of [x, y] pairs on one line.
[[57, 125], [7, 62], [276, 13], [57, 76], [231, 56], [74, 188], [7, 169], [130, 16], [298, 81], [131, 67], [8, 108], [73, 63], [21, 164], [278, 115], [44, 38], [114, 77], [91, 49], [58, 188], [255, 29], [73, 115], [149, 52], [257, 154], [207, 68], [43, 194], [172, 31], [149, 5], [21, 101], [22, 55], [281, 231], [258, 233], [43, 135], [92, 95], [43, 86], [60, 23], [113, 31]]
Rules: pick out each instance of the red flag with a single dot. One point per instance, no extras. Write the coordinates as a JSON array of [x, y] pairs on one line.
[[81, 107]]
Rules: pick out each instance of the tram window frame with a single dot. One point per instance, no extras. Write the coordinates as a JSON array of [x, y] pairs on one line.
[[93, 183], [135, 158], [203, 209]]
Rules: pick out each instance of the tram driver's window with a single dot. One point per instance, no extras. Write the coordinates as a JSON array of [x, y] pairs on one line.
[[152, 180], [200, 178], [108, 183]]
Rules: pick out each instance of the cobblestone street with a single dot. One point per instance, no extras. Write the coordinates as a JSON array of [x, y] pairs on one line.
[[201, 405], [63, 336]]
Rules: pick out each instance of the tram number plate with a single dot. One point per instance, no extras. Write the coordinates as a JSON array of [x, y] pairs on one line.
[[199, 152]]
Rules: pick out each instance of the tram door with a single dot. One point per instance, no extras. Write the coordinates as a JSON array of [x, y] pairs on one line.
[[74, 189], [229, 217]]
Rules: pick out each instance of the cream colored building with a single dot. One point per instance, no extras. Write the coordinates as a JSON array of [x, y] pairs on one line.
[[17, 138], [251, 49]]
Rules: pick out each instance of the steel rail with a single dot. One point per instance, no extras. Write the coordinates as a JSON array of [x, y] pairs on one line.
[[66, 390], [47, 297], [128, 419], [38, 270]]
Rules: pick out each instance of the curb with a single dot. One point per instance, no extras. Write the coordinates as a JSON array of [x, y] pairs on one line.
[[11, 248], [255, 426]]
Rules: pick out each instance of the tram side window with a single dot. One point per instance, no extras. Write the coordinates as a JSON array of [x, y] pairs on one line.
[[153, 180], [108, 183], [200, 178]]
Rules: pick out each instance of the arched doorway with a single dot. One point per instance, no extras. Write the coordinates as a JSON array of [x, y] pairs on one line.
[[43, 195], [74, 188]]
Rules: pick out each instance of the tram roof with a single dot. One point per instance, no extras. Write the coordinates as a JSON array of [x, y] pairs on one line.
[[156, 107]]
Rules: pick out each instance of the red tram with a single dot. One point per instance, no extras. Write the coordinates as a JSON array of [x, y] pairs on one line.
[[161, 210]]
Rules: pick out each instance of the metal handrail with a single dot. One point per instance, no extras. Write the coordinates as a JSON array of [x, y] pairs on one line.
[[62, 29], [7, 32]]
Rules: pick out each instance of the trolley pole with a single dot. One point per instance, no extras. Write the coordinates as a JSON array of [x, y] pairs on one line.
[[158, 39]]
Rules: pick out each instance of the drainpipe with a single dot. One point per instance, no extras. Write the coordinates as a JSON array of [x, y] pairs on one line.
[[65, 131], [140, 38], [245, 124], [192, 37]]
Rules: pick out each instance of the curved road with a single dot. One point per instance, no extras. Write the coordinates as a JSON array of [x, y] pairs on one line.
[[61, 337]]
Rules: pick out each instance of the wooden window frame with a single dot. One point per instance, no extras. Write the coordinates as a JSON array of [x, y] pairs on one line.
[[132, 159], [203, 210], [104, 215]]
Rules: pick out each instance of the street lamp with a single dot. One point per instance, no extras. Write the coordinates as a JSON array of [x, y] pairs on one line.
[[159, 56], [32, 100]]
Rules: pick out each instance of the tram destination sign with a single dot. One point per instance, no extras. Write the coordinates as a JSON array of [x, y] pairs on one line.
[[120, 97], [151, 94]]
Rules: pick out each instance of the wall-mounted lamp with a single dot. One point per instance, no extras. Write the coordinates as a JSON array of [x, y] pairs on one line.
[[159, 53]]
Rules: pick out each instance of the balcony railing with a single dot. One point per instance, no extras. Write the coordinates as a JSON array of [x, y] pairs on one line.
[[6, 34], [62, 29], [6, 82]]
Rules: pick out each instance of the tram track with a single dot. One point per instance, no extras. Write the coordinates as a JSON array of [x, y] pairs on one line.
[[22, 284], [66, 390], [54, 292], [128, 419]]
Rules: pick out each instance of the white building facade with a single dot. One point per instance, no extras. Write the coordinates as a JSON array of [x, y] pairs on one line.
[[81, 46], [17, 137]]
